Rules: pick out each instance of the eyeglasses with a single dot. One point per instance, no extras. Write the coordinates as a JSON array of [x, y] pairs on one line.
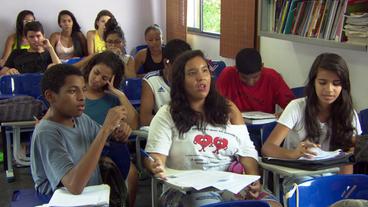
[[114, 42]]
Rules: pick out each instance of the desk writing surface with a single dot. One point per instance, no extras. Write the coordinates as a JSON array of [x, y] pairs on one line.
[[293, 172]]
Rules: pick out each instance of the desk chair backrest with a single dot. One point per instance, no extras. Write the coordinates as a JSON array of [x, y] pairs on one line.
[[132, 89], [326, 190], [363, 119], [216, 67], [298, 91], [240, 203], [28, 197], [22, 84]]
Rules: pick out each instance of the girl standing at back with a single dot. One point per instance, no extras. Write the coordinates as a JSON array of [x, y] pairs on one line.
[[95, 43], [150, 58], [325, 118], [70, 42], [17, 40]]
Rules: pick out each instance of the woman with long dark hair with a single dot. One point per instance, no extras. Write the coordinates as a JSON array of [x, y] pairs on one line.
[[325, 118], [199, 130], [70, 42], [17, 40]]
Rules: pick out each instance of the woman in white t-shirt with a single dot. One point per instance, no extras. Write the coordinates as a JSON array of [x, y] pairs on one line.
[[198, 130], [325, 118]]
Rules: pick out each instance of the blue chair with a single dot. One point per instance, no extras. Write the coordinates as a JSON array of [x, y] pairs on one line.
[[73, 60], [28, 197], [133, 89], [240, 203], [298, 91], [326, 190], [217, 67], [21, 84], [363, 119]]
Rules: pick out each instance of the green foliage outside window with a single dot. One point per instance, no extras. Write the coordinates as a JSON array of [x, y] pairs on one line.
[[211, 16]]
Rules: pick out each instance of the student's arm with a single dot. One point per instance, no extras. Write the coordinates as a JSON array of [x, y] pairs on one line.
[[55, 59], [9, 66], [8, 71], [272, 146], [156, 167], [139, 59], [77, 178], [54, 39], [7, 49], [90, 42], [147, 104], [82, 63], [132, 118], [236, 117], [129, 71]]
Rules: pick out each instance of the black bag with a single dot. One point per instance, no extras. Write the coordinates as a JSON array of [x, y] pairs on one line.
[[361, 154], [20, 108], [340, 160]]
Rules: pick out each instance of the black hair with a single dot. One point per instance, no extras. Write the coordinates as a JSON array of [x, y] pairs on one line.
[[101, 14], [34, 26], [216, 108], [112, 27], [20, 26], [174, 48], [155, 27], [109, 59], [79, 51], [248, 61], [342, 112], [54, 77]]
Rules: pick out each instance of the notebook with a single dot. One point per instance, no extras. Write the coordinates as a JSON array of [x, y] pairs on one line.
[[258, 117]]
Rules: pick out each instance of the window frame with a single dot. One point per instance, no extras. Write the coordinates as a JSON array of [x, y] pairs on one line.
[[199, 31]]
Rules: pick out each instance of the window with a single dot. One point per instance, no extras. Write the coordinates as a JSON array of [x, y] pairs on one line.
[[204, 16]]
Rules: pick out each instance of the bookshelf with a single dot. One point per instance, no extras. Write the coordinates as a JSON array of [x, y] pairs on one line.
[[266, 24]]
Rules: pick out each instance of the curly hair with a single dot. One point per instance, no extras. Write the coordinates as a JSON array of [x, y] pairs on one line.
[[216, 107], [109, 59], [20, 26], [79, 51], [112, 27], [342, 112]]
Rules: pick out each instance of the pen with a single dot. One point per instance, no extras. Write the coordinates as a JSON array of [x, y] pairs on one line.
[[145, 154]]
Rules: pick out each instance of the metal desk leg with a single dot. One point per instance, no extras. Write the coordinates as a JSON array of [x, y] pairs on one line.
[[19, 158], [276, 185], [154, 193], [9, 171]]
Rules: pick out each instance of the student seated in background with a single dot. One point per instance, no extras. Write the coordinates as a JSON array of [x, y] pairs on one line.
[[156, 84], [175, 138], [103, 75], [37, 58], [70, 42], [251, 86], [95, 42], [18, 39], [115, 41], [150, 58], [67, 144], [325, 118]]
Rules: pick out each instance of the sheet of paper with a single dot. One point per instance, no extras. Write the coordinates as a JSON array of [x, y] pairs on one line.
[[199, 179], [257, 115], [321, 154], [91, 195]]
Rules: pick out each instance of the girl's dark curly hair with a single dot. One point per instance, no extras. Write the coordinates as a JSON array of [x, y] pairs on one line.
[[109, 59], [20, 26], [79, 48], [216, 107], [342, 112], [112, 27]]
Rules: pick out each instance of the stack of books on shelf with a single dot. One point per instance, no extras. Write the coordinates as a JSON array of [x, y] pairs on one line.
[[321, 19], [356, 27]]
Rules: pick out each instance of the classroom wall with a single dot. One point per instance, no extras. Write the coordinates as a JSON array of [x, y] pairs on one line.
[[133, 16]]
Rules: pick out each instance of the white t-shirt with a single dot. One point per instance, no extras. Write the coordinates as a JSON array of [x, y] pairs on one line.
[[161, 91], [293, 118], [211, 149]]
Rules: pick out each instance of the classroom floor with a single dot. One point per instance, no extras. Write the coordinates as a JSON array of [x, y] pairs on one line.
[[24, 180]]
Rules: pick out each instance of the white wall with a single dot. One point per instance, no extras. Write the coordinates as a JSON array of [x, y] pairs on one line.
[[133, 16]]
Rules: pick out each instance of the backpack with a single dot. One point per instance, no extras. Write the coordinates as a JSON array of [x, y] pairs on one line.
[[20, 108]]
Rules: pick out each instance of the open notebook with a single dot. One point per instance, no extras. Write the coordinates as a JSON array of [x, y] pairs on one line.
[[97, 195], [258, 117]]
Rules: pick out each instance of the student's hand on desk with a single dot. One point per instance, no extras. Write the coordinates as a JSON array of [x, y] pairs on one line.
[[253, 190], [157, 169], [114, 118], [304, 149], [122, 133], [12, 71]]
